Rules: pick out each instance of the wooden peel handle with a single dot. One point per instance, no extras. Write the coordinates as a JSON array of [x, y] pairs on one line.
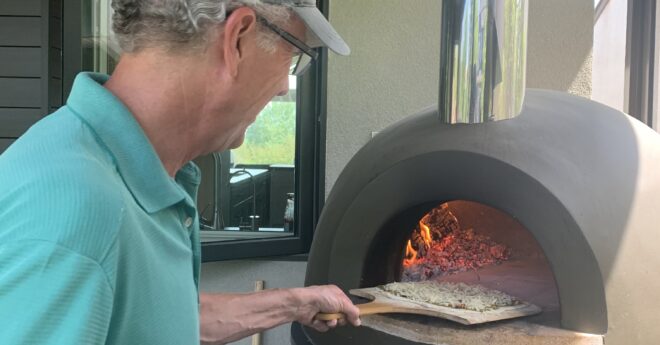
[[365, 309], [329, 316]]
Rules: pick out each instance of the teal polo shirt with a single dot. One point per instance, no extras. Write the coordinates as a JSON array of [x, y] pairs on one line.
[[98, 244]]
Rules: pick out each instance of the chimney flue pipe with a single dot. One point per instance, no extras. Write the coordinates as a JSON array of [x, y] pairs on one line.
[[482, 60]]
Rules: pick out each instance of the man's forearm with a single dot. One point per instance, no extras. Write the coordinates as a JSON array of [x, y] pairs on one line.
[[228, 317]]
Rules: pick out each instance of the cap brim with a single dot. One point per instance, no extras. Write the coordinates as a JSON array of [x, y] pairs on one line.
[[317, 24]]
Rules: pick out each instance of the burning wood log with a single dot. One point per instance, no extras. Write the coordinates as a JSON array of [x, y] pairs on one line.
[[439, 222], [441, 247]]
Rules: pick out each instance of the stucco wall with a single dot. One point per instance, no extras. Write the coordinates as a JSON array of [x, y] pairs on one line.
[[239, 276], [560, 39], [393, 69]]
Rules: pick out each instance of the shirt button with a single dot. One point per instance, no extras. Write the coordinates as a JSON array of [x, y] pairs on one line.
[[188, 222]]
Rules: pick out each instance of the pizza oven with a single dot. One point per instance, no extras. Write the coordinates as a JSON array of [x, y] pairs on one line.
[[555, 204]]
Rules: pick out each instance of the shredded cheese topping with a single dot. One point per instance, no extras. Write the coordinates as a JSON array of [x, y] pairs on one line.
[[453, 295]]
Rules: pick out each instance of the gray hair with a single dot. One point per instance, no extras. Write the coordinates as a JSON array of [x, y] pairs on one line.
[[175, 24]]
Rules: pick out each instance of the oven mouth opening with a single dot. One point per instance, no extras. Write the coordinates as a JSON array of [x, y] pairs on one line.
[[468, 242], [463, 241]]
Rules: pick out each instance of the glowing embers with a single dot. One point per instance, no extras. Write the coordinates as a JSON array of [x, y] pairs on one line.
[[438, 246]]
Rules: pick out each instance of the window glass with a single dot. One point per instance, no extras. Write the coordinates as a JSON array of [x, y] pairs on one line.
[[248, 192], [271, 139], [609, 52], [655, 116], [100, 51]]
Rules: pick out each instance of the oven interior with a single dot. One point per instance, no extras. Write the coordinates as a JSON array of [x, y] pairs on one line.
[[462, 241]]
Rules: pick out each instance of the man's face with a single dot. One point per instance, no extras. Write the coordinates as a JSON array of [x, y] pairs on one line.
[[261, 76]]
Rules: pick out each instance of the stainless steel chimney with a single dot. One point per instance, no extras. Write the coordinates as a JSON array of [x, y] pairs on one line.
[[482, 60]]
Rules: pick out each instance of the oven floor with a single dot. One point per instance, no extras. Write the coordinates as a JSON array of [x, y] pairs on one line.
[[530, 280]]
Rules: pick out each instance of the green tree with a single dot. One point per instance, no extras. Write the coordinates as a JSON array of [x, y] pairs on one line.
[[271, 139]]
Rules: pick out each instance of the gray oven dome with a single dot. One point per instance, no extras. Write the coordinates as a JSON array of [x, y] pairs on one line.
[[583, 178]]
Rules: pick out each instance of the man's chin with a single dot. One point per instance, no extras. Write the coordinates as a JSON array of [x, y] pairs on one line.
[[237, 143]]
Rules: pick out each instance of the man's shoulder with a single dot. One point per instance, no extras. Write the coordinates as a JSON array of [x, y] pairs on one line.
[[59, 185], [58, 133], [61, 138]]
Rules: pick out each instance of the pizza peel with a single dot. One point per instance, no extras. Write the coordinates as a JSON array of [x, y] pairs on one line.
[[384, 302]]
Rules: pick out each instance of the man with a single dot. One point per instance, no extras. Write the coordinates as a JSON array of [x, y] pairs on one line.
[[99, 239]]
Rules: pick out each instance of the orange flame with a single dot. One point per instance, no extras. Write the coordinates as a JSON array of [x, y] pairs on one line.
[[411, 255], [426, 234]]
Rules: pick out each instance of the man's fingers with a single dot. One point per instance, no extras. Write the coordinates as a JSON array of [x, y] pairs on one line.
[[348, 308], [320, 326], [331, 299], [331, 323], [354, 320], [352, 313]]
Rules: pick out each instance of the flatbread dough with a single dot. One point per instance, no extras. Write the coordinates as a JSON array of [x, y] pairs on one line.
[[452, 295]]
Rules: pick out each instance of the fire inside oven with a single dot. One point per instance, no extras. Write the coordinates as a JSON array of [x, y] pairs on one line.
[[462, 241], [468, 242]]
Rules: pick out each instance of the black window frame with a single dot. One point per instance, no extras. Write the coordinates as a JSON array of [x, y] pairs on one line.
[[309, 161], [640, 52], [642, 76]]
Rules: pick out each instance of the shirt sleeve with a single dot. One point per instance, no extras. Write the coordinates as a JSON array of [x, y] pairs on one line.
[[50, 294]]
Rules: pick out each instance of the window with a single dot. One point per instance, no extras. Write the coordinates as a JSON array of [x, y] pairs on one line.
[[625, 56], [100, 52], [249, 192], [261, 199], [609, 53]]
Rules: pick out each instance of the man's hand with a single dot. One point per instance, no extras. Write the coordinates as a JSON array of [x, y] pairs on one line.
[[324, 299], [228, 317]]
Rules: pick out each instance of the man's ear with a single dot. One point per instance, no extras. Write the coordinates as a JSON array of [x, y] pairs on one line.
[[239, 28]]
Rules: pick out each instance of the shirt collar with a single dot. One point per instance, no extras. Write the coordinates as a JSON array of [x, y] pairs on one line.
[[136, 159]]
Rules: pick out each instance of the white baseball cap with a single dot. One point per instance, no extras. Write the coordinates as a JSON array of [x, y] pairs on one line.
[[323, 33]]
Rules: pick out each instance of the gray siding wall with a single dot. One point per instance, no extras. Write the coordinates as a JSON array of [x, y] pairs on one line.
[[30, 64]]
